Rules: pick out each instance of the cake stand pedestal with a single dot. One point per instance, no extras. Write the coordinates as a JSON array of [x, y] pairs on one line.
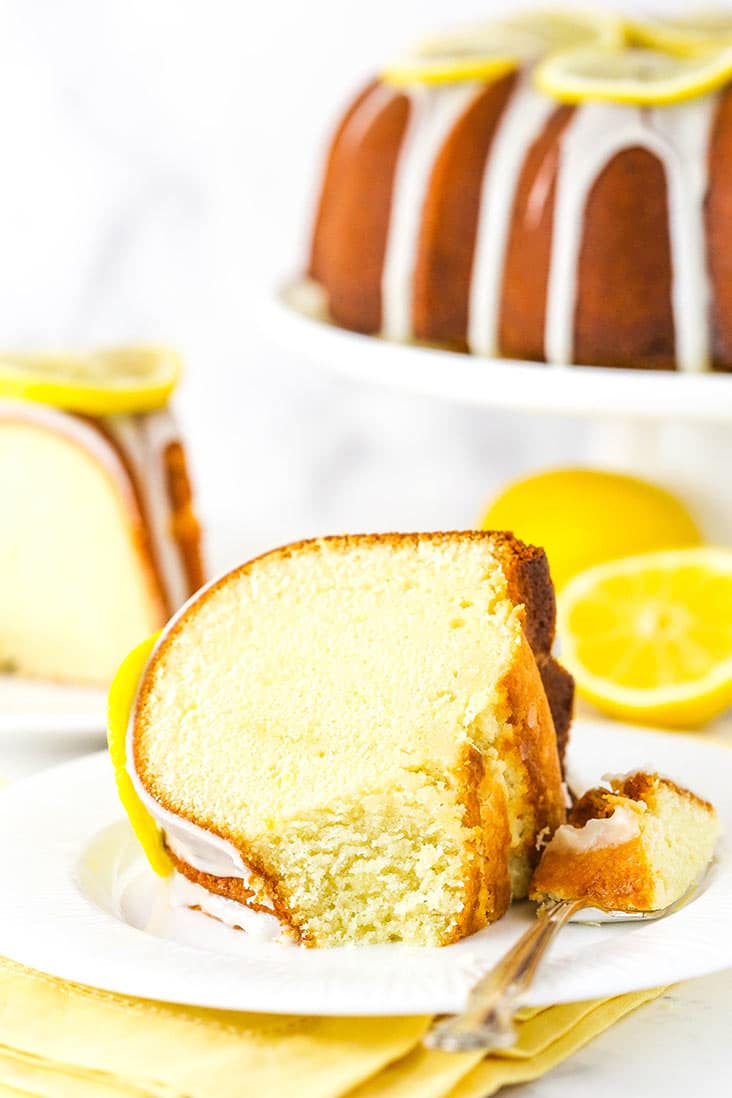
[[673, 428]]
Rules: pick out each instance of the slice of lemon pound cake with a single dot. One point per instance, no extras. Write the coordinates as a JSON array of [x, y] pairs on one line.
[[99, 543], [353, 733]]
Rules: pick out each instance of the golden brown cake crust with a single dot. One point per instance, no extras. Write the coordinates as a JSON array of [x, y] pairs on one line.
[[534, 739], [446, 243], [234, 888], [350, 239], [533, 748], [718, 213], [184, 527], [327, 208], [522, 313], [616, 877], [624, 315], [642, 785], [529, 584]]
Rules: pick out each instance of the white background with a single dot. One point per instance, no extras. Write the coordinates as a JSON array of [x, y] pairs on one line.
[[159, 162]]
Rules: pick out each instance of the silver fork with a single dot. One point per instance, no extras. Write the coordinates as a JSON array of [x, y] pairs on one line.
[[487, 1021]]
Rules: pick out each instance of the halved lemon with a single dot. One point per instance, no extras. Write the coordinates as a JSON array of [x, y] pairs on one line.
[[649, 638], [684, 35], [638, 76], [105, 382], [484, 51], [119, 707]]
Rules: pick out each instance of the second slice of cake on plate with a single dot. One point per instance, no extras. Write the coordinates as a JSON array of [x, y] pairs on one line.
[[99, 541], [355, 734]]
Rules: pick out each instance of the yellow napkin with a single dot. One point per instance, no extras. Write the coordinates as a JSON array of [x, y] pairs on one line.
[[61, 1040]]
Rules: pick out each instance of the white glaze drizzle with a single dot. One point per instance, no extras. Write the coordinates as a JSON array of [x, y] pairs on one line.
[[687, 131], [433, 114], [678, 137], [182, 893], [524, 118], [621, 827], [367, 111], [144, 440], [198, 847]]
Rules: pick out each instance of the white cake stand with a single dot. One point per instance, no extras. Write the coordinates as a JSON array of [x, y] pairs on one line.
[[673, 428]]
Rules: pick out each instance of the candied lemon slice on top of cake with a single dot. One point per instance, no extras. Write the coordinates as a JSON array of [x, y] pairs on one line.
[[117, 381], [643, 77], [484, 51], [449, 66], [649, 638], [684, 35]]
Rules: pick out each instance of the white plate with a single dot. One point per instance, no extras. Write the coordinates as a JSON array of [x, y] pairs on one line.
[[295, 317], [28, 707], [77, 896]]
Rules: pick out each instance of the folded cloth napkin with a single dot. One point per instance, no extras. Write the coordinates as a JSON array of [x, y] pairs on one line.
[[62, 1040]]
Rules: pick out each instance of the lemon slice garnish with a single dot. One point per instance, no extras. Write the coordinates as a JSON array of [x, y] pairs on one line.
[[447, 68], [106, 382], [684, 36], [486, 51], [649, 638], [527, 35], [119, 707], [638, 76]]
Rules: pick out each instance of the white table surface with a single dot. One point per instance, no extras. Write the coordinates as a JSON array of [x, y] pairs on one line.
[[679, 1044]]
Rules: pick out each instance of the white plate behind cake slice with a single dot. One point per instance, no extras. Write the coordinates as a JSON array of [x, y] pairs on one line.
[[29, 706], [79, 901]]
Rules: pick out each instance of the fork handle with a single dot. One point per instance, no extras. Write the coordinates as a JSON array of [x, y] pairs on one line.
[[487, 1021]]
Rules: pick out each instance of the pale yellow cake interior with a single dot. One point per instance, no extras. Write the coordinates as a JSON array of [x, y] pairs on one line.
[[318, 711], [678, 834], [74, 596]]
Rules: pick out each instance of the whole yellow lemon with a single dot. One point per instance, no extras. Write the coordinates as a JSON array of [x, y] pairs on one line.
[[583, 517]]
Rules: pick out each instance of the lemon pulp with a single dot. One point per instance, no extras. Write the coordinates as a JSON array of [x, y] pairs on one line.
[[650, 637]]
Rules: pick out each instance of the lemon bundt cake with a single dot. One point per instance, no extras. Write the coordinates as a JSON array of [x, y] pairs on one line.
[[638, 846], [98, 544], [484, 214], [351, 737]]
